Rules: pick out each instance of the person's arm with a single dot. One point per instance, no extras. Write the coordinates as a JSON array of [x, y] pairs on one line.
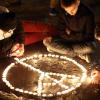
[[18, 37], [58, 21], [61, 21]]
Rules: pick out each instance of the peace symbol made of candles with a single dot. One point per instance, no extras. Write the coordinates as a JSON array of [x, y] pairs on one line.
[[59, 83]]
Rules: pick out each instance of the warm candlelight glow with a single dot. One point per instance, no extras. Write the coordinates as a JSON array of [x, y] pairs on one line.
[[75, 80]]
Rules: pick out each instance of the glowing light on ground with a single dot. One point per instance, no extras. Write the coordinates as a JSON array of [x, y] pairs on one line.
[[75, 80]]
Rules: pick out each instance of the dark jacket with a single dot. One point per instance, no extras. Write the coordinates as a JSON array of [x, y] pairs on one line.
[[81, 26], [17, 37]]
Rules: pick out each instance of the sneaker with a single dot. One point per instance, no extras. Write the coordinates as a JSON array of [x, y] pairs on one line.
[[85, 57], [48, 49], [53, 12]]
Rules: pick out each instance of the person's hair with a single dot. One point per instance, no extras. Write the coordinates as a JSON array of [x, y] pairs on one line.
[[7, 21], [67, 3]]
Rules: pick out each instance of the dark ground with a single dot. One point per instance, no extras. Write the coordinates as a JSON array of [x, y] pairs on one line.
[[38, 10]]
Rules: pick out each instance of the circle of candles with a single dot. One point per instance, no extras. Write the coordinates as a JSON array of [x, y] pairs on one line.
[[45, 74]]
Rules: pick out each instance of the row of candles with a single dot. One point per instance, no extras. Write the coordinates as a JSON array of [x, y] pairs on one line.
[[43, 75]]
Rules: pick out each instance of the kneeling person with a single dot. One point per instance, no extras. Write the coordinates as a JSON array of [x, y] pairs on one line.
[[11, 35]]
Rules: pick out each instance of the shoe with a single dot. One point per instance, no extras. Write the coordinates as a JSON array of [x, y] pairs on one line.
[[49, 50], [53, 12], [85, 57]]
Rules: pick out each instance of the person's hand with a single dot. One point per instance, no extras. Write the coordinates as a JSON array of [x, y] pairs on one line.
[[95, 77], [17, 50], [67, 31]]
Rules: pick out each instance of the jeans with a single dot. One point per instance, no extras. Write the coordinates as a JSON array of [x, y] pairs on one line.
[[62, 46]]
